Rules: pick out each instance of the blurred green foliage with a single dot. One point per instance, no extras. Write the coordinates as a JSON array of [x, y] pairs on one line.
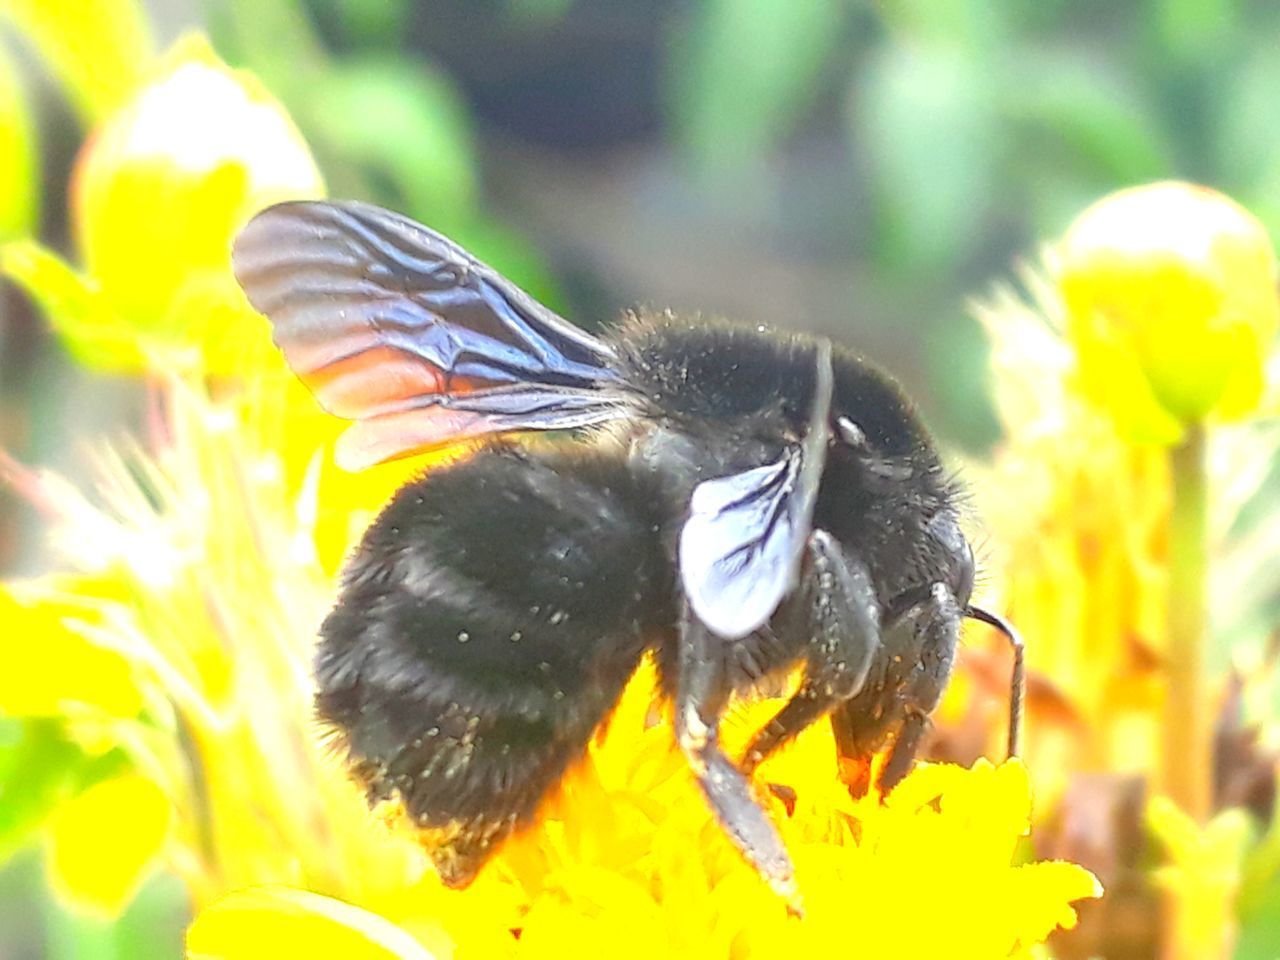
[[978, 128], [41, 767], [19, 193], [741, 72], [977, 115], [383, 122]]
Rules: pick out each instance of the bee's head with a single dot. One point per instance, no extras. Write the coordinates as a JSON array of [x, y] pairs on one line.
[[884, 492]]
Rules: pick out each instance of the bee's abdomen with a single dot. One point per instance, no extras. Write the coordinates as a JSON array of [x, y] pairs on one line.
[[486, 626]]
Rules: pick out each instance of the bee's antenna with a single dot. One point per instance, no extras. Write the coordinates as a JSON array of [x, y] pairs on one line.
[[1019, 682]]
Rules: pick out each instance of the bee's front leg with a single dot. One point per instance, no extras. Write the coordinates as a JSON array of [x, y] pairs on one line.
[[939, 631], [841, 619], [917, 656], [702, 692], [905, 746]]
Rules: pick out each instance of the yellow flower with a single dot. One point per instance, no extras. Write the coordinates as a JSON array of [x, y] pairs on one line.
[[162, 187], [1082, 560], [627, 859], [1201, 877], [1171, 297], [1077, 519]]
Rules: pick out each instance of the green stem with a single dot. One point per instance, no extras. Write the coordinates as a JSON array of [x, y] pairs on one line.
[[1188, 741]]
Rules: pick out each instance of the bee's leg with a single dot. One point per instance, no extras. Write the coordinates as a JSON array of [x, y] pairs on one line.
[[861, 728], [939, 633], [918, 653], [701, 696], [842, 621], [905, 746]]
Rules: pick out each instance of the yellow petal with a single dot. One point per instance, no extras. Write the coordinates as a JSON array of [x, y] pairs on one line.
[[96, 48], [104, 842], [266, 923], [50, 665], [626, 930], [1045, 893]]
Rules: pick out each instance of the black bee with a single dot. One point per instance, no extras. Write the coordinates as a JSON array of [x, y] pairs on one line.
[[738, 501]]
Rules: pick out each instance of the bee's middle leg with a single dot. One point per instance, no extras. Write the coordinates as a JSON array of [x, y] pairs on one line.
[[702, 692], [842, 622]]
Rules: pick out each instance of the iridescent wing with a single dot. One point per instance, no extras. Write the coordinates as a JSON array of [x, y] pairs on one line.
[[399, 329], [744, 541]]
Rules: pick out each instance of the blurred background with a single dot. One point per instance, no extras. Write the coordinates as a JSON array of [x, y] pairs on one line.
[[851, 168]]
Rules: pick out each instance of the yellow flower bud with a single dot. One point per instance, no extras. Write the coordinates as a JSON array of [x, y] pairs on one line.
[[1171, 301], [162, 187]]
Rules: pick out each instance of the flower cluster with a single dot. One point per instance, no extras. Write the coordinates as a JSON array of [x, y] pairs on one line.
[[1084, 546], [1150, 326]]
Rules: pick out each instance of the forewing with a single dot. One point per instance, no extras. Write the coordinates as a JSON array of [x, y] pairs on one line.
[[450, 419], [395, 326], [742, 546]]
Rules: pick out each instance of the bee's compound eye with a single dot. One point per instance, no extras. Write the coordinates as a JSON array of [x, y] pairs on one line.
[[851, 434]]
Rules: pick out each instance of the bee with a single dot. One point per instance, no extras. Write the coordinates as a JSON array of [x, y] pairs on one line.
[[735, 501]]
